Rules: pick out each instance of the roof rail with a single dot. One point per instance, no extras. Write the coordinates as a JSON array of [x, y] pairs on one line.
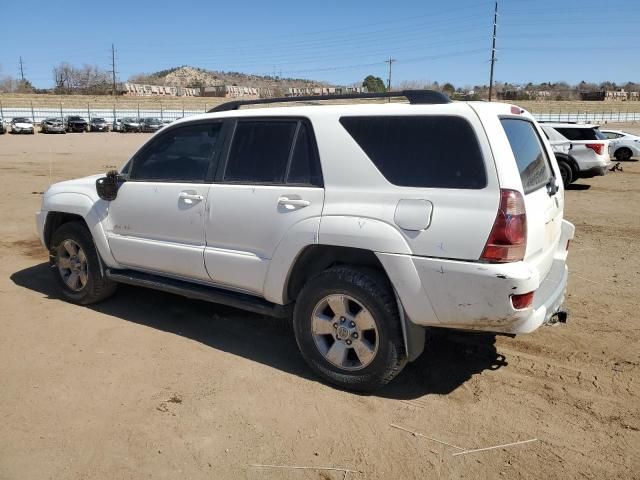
[[415, 97]]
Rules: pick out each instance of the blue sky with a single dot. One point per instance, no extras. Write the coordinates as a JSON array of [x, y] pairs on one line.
[[340, 42]]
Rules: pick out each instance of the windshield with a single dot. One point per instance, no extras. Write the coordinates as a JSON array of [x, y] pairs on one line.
[[99, 120], [21, 120], [75, 118], [129, 120], [152, 120]]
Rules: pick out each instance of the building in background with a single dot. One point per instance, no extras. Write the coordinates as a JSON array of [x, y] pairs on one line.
[[140, 90]]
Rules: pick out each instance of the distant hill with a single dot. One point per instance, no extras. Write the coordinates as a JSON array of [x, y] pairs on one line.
[[186, 76]]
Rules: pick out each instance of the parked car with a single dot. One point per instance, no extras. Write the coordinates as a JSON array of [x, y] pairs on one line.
[[117, 125], [98, 124], [167, 121], [623, 145], [150, 124], [22, 125], [588, 155], [359, 221], [75, 124], [130, 124], [3, 129], [52, 125]]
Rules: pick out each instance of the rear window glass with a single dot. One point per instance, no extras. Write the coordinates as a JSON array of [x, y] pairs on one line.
[[579, 133], [421, 151], [529, 153]]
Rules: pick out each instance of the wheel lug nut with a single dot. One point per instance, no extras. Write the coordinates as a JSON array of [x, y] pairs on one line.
[[355, 335], [352, 324], [348, 342], [342, 319], [335, 325]]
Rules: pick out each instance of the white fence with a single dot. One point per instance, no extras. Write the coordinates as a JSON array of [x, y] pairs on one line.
[[37, 114]]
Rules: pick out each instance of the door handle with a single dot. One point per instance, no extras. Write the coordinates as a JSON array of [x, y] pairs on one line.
[[293, 202], [190, 197]]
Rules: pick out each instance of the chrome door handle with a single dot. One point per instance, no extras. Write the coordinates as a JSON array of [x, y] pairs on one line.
[[190, 197], [293, 202]]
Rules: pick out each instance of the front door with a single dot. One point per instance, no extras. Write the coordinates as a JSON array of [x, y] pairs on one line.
[[270, 187], [157, 221]]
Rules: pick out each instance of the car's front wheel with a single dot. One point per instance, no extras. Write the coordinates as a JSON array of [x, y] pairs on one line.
[[347, 327], [77, 267]]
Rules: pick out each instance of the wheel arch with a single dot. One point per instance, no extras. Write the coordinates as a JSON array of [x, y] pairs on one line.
[[569, 160], [72, 206]]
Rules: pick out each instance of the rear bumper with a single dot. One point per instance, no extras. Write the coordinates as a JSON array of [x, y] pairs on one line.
[[477, 296], [594, 172]]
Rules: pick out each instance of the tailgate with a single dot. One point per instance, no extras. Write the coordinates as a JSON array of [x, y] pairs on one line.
[[542, 195]]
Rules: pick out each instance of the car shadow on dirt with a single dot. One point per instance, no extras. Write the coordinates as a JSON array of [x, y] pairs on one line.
[[449, 360]]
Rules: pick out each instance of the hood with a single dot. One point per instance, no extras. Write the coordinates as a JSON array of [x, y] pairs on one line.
[[76, 121], [84, 185], [23, 125]]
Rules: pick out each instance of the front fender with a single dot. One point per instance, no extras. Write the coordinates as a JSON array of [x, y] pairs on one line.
[[93, 213]]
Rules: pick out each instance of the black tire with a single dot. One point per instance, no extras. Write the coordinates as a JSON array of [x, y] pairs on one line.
[[623, 154], [97, 287], [373, 291], [566, 172]]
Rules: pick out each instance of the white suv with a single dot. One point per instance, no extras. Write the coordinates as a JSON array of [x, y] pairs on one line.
[[360, 221], [582, 151]]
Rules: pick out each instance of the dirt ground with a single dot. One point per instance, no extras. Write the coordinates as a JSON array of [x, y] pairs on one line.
[[150, 385]]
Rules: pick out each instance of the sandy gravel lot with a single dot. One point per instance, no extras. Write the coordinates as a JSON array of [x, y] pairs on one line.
[[149, 385]]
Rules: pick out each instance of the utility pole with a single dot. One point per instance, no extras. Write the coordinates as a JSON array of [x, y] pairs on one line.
[[21, 69], [113, 68], [493, 50], [390, 62]]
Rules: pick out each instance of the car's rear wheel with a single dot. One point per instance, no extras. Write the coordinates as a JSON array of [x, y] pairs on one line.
[[623, 154], [347, 327], [77, 267], [566, 173]]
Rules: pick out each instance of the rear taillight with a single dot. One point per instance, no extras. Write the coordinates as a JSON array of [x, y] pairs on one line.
[[507, 241], [522, 301], [596, 147]]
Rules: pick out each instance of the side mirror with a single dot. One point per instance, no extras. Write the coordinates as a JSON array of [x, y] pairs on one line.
[[107, 187]]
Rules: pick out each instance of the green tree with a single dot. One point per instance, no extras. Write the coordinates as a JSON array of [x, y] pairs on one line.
[[448, 88], [24, 86], [374, 84]]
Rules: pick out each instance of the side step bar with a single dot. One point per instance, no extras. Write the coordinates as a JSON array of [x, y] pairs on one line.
[[200, 292]]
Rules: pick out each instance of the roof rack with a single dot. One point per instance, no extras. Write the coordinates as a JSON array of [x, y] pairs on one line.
[[415, 97]]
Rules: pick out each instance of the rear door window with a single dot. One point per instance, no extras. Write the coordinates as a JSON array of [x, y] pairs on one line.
[[434, 151], [260, 151], [529, 153]]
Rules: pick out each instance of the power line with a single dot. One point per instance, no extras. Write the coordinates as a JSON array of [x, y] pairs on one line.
[[493, 50]]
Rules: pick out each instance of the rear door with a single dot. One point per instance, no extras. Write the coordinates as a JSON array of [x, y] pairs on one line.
[[540, 188], [271, 184]]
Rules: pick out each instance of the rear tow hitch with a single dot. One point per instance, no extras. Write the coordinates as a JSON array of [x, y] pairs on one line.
[[560, 316]]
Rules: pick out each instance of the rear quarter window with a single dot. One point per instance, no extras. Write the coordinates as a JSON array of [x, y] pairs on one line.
[[528, 150], [581, 133], [434, 151]]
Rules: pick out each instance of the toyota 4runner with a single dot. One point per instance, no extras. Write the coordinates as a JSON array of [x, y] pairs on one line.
[[365, 223]]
